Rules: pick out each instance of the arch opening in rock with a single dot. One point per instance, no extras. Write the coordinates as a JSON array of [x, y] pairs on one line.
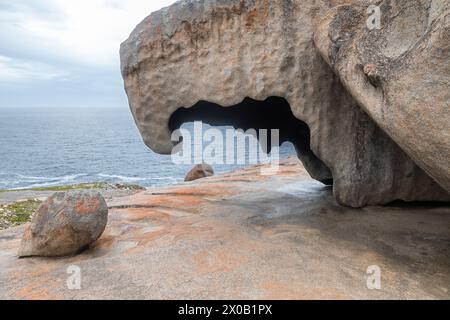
[[274, 113]]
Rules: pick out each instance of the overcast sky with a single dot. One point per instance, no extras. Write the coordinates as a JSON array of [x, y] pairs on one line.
[[64, 53]]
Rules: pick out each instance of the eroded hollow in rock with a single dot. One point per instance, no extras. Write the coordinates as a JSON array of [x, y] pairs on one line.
[[272, 113]]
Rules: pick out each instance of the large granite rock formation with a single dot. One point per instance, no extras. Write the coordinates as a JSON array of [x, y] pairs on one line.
[[186, 60], [399, 73]]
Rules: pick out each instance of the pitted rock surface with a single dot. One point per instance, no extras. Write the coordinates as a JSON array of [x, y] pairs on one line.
[[399, 73], [65, 224], [228, 53]]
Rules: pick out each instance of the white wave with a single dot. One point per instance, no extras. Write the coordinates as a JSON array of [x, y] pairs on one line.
[[122, 178], [21, 176], [37, 179], [57, 181], [134, 179]]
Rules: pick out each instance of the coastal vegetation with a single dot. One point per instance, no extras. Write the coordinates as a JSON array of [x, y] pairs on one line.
[[20, 212], [83, 186], [13, 215]]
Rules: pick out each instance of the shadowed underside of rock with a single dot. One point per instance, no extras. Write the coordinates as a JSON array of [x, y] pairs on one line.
[[200, 55], [400, 73]]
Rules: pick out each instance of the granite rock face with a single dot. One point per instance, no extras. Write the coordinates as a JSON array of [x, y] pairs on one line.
[[65, 224], [200, 171], [238, 53], [244, 236], [399, 73]]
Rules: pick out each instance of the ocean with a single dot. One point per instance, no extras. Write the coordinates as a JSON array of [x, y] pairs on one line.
[[43, 147]]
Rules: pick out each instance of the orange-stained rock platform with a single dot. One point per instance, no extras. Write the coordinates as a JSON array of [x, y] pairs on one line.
[[245, 236]]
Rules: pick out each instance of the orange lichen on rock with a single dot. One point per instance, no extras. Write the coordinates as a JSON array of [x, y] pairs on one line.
[[270, 237]]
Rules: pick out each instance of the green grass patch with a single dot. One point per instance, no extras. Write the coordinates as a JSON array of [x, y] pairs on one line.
[[18, 213]]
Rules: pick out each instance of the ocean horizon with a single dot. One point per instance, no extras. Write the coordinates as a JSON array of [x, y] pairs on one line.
[[50, 147]]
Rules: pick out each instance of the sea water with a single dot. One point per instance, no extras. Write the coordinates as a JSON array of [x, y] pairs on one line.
[[43, 147]]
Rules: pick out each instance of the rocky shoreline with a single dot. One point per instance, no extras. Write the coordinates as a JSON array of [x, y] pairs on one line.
[[18, 206], [245, 236]]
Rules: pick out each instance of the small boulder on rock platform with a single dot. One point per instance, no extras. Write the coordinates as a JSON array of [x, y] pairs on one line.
[[65, 224], [200, 171]]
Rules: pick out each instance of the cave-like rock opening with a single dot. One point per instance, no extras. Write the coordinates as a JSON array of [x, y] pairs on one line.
[[270, 114]]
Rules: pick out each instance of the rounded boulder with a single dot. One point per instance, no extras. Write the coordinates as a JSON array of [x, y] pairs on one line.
[[65, 224], [199, 172]]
